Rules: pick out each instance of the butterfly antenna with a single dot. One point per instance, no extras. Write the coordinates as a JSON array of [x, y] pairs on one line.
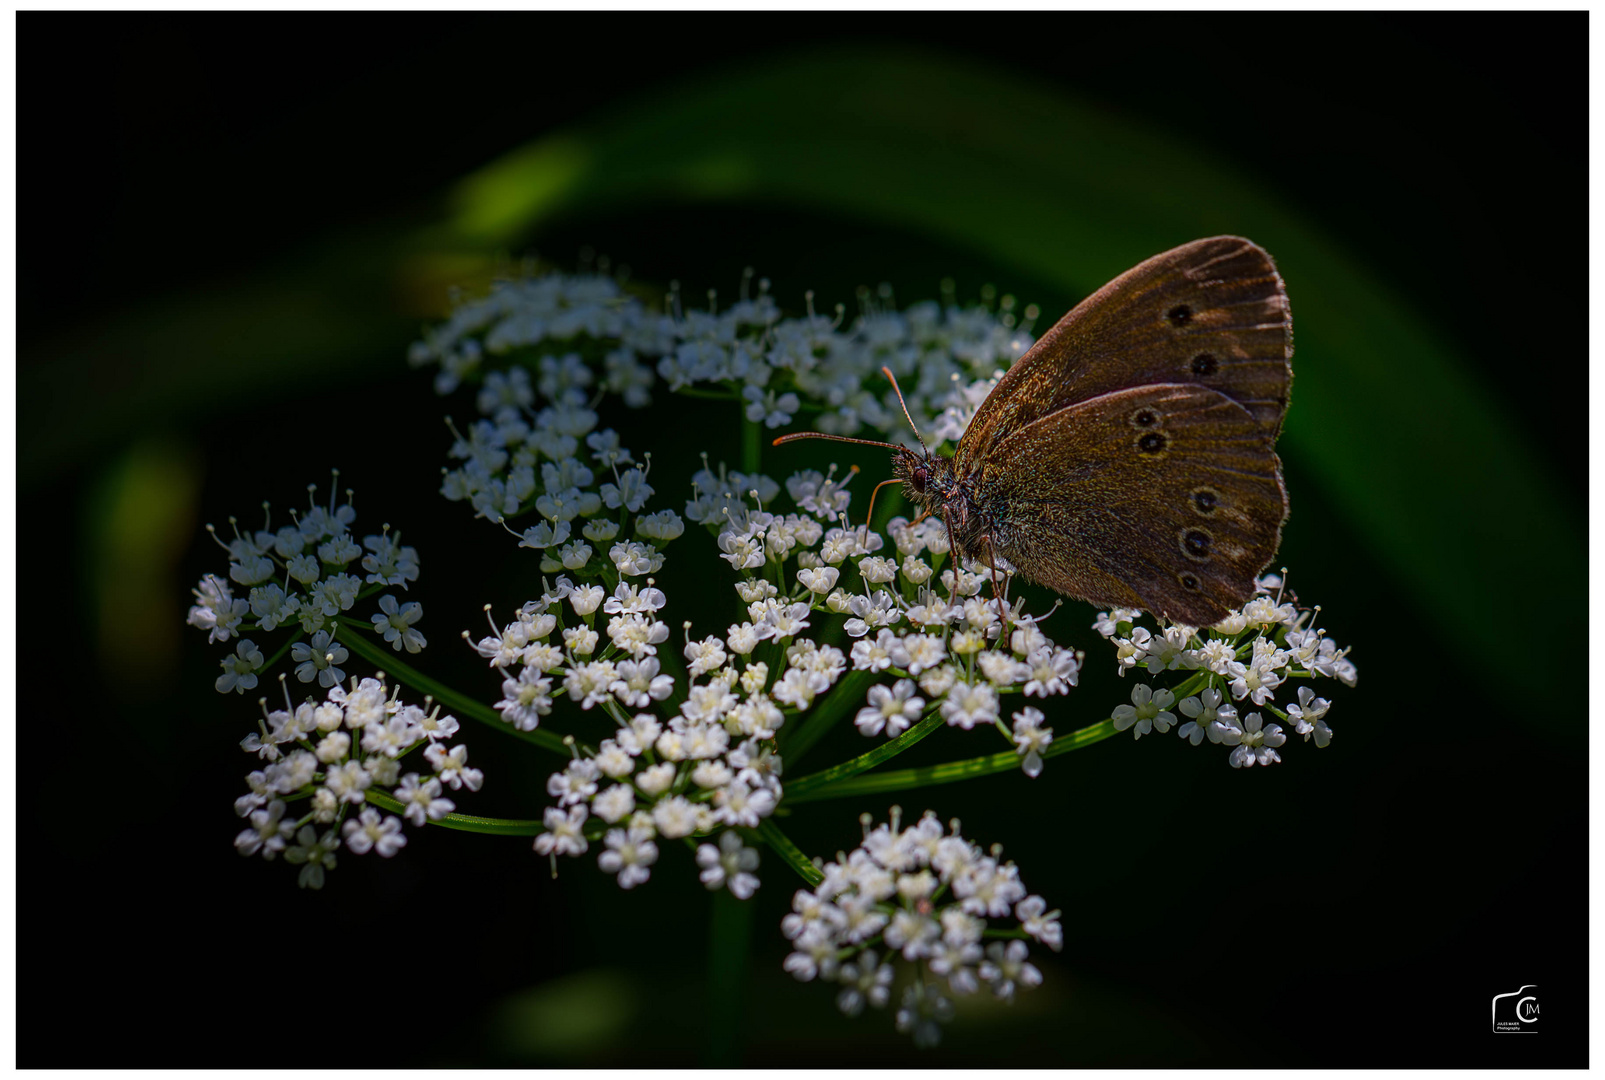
[[795, 435], [886, 371]]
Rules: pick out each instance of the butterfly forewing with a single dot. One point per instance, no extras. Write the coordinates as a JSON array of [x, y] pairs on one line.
[[1212, 313], [1165, 497]]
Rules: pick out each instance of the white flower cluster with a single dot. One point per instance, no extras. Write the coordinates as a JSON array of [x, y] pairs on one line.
[[314, 555], [1246, 657], [929, 897], [709, 766], [941, 640], [651, 779], [519, 460], [585, 335], [541, 658], [333, 753]]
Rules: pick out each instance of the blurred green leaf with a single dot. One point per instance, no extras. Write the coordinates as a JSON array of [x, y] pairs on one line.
[[581, 1016]]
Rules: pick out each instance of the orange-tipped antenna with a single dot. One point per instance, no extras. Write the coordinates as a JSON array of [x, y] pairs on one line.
[[886, 371], [869, 519]]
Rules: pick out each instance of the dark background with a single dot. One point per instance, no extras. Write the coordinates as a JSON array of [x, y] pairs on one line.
[[1355, 907]]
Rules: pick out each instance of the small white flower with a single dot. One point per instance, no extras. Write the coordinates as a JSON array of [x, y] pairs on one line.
[[1052, 671], [1001, 669], [637, 635], [1202, 712], [1146, 711], [877, 570], [1255, 680], [239, 669], [1171, 651], [865, 981], [730, 865], [892, 709], [563, 835], [819, 580], [367, 832], [1129, 651], [395, 624], [525, 699], [1030, 739], [1216, 654], [615, 803], [884, 651], [969, 704], [629, 854], [764, 406], [317, 852], [639, 683], [675, 817], [585, 599], [707, 655], [655, 779], [1307, 717], [631, 492], [924, 651], [318, 659], [1036, 920], [452, 767], [1253, 744], [916, 570], [268, 833], [575, 784], [1006, 968], [422, 800]]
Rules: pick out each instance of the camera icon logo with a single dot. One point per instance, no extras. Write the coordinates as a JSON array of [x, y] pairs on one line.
[[1516, 1013]]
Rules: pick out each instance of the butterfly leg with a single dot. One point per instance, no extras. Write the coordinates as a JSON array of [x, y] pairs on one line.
[[953, 551], [997, 589]]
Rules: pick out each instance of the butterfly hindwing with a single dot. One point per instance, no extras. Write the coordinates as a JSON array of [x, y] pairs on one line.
[[1166, 497]]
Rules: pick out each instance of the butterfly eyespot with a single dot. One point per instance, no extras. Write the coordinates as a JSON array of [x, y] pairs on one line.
[[1152, 443], [1188, 581], [1144, 418], [1205, 500], [1196, 544], [1205, 364], [1180, 315]]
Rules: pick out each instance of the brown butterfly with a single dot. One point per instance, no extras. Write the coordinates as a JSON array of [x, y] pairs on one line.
[[1128, 458]]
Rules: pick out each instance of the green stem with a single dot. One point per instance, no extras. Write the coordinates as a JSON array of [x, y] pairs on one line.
[[789, 853], [947, 773], [751, 445], [847, 695], [864, 762], [364, 646], [282, 650], [465, 822], [729, 945]]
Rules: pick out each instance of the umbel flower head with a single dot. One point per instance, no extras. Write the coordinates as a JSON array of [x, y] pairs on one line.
[[583, 335], [1241, 663], [954, 918], [674, 738], [330, 759], [305, 577]]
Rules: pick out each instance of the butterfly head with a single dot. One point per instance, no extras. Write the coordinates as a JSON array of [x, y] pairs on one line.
[[928, 479]]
